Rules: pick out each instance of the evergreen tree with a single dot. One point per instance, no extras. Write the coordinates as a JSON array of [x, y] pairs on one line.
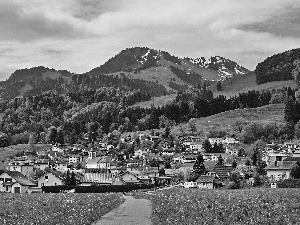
[[207, 146], [199, 168], [297, 130], [256, 156], [220, 161], [234, 164], [260, 169], [68, 178], [289, 111], [73, 180]]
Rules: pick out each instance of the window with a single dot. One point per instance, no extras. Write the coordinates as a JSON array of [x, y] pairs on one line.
[[6, 188], [46, 178], [8, 179], [1, 179]]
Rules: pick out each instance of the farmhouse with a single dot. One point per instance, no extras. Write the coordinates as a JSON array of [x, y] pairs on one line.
[[206, 181], [15, 182], [50, 179], [281, 170]]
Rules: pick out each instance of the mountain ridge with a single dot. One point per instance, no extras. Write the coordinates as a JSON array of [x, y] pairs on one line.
[[130, 69]]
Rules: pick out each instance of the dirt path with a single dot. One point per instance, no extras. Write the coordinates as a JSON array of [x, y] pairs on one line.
[[131, 212]]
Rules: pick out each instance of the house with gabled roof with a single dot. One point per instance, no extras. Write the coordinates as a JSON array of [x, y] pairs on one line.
[[15, 182], [281, 169], [206, 181], [98, 162], [223, 172], [130, 178], [51, 178]]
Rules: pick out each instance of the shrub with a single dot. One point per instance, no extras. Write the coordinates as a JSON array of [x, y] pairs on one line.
[[289, 183], [57, 189]]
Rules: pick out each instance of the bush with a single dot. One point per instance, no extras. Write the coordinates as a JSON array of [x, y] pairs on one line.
[[57, 189], [289, 183], [112, 188]]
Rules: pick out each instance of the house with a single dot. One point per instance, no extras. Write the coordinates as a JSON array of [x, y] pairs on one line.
[[223, 172], [229, 149], [206, 181], [61, 166], [98, 163], [281, 170], [130, 178], [292, 144], [230, 141], [215, 140], [15, 182], [24, 168], [50, 179], [41, 164], [277, 156], [196, 146], [78, 158], [139, 153], [101, 178], [190, 158]]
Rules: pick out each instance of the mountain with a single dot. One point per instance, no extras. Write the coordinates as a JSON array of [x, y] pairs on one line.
[[225, 67], [153, 71], [277, 67]]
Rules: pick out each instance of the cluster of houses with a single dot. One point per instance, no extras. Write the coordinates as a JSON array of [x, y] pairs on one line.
[[103, 166]]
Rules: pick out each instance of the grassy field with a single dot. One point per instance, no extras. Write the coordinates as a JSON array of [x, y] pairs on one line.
[[251, 206], [157, 101], [247, 83], [224, 121], [73, 209]]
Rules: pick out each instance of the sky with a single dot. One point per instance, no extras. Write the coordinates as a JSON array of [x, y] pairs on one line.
[[79, 35]]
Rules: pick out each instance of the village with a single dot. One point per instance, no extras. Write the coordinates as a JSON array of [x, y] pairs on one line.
[[142, 158]]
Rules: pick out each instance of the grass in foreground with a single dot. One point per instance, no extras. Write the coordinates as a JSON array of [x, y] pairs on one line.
[[252, 206], [56, 208]]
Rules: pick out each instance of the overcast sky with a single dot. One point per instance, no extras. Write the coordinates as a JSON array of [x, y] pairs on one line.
[[78, 35]]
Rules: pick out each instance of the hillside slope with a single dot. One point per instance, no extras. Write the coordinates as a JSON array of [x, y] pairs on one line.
[[247, 82], [225, 120], [277, 67]]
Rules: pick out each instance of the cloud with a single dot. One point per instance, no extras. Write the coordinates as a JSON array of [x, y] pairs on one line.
[[79, 35]]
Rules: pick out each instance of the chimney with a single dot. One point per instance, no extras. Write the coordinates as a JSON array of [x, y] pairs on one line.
[[275, 163]]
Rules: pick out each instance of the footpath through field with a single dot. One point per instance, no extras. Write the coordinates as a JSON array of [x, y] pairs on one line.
[[131, 212]]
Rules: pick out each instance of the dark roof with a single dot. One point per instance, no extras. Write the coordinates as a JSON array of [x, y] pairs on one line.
[[223, 171], [292, 159], [20, 178], [281, 165], [206, 179]]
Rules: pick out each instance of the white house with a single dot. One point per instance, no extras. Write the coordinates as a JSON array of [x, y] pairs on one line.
[[229, 141], [215, 140], [196, 146], [15, 182], [50, 179], [281, 170], [98, 163], [25, 168]]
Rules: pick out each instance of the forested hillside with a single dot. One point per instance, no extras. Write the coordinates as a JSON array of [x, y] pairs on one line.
[[277, 67]]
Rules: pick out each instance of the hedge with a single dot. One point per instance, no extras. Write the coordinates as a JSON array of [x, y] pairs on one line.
[[57, 189], [112, 188], [289, 183]]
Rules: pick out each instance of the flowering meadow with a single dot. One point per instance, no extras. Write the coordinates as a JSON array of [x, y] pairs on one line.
[[251, 206], [62, 208]]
